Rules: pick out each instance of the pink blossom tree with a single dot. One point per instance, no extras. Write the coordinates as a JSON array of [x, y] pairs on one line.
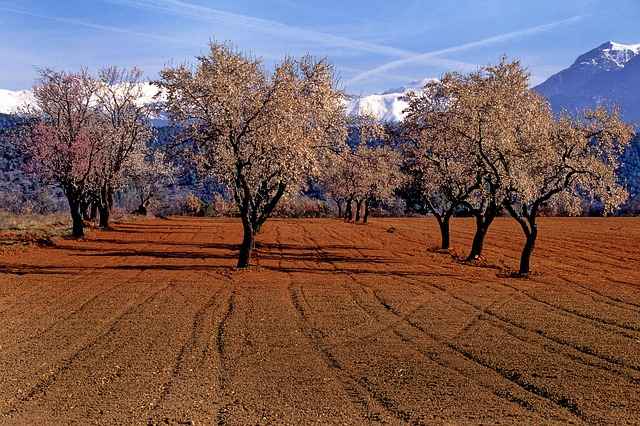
[[62, 139]]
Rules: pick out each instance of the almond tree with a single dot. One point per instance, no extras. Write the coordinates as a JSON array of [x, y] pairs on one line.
[[379, 167], [443, 168], [365, 171], [259, 133], [126, 131], [333, 179], [64, 136], [564, 161], [148, 174], [485, 113]]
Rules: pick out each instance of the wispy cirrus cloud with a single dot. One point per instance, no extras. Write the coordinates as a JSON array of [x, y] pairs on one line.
[[278, 29], [429, 56], [91, 25]]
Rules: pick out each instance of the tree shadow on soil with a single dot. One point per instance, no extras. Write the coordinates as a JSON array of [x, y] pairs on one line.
[[298, 258]]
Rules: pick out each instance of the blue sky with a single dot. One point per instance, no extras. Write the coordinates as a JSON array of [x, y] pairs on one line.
[[374, 44]]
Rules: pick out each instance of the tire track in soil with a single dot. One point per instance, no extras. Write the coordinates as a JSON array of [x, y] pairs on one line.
[[190, 344], [515, 377], [351, 385], [16, 306], [501, 242], [502, 322], [79, 309], [432, 356], [589, 292], [575, 313], [501, 393], [584, 349], [220, 338], [224, 373], [358, 389], [47, 382], [562, 402], [199, 341], [629, 305], [387, 300], [346, 383]]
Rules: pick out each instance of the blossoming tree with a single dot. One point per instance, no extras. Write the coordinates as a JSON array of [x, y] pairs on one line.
[[64, 138], [260, 133]]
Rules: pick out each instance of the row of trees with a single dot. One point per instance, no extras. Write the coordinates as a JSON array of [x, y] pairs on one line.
[[482, 143], [89, 135], [365, 171]]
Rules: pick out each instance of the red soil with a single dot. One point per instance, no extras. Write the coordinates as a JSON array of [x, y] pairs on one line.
[[338, 323]]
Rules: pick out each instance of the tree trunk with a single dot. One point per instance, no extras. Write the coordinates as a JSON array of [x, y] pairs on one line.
[[248, 243], [76, 216], [358, 208], [93, 211], [482, 226], [110, 198], [339, 203], [527, 251], [84, 209], [445, 233], [104, 206], [527, 221], [104, 216], [141, 210], [365, 219], [348, 214]]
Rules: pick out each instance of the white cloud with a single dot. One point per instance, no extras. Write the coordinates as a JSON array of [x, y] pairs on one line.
[[429, 56], [265, 26], [91, 25]]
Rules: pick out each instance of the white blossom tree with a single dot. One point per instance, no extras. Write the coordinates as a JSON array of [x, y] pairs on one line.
[[260, 133], [442, 164], [148, 174], [126, 131], [565, 161], [365, 171]]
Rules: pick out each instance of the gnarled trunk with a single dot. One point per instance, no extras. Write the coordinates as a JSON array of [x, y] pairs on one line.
[[358, 208], [527, 251], [482, 227], [252, 220], [104, 216], [339, 204], [445, 233], [526, 218], [348, 214], [93, 211], [365, 219], [84, 209], [77, 230], [248, 243], [105, 205], [141, 210]]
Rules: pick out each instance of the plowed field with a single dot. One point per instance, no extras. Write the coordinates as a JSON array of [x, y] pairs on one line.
[[337, 324]]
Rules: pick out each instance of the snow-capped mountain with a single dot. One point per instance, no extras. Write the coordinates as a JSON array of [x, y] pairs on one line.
[[11, 101], [388, 105], [607, 75]]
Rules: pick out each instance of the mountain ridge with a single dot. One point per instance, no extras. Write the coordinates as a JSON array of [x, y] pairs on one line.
[[608, 75]]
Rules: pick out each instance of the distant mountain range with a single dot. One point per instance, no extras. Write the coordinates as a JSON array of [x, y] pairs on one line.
[[607, 75]]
